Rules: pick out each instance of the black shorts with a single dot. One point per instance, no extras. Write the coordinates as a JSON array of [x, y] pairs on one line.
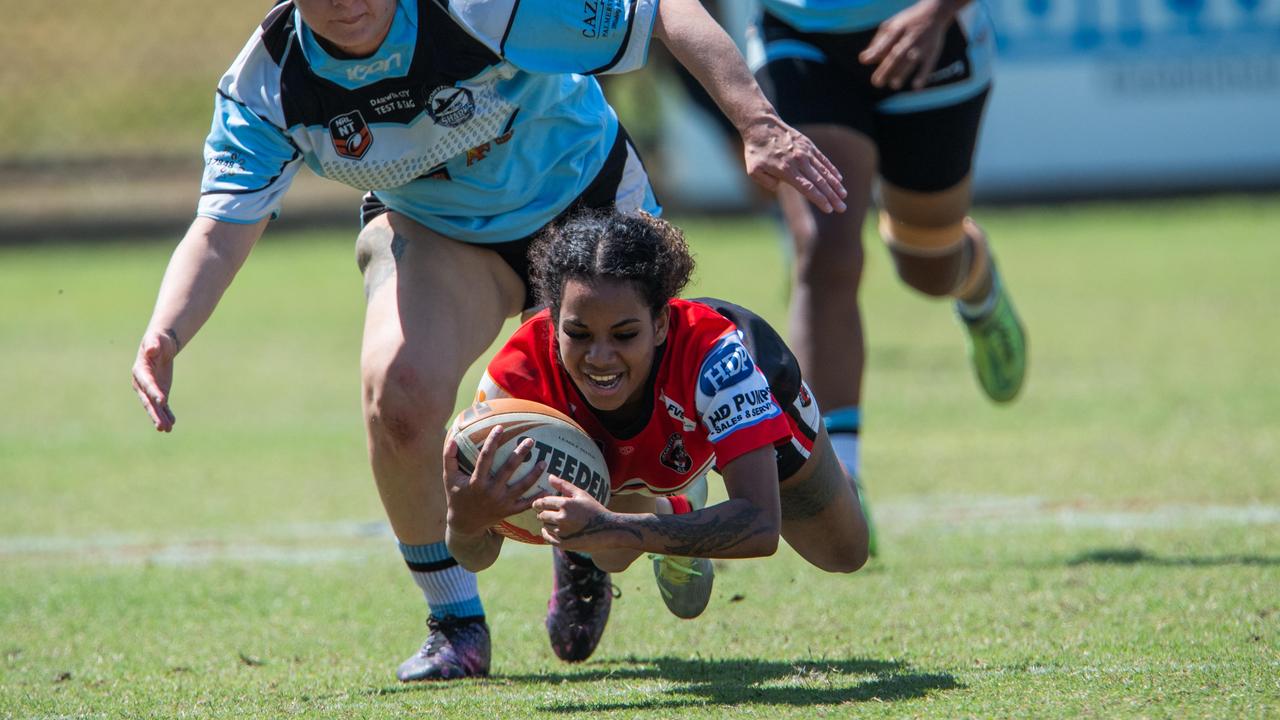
[[601, 193], [782, 371], [925, 138]]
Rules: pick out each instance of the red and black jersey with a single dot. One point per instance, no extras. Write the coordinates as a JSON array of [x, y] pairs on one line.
[[710, 402]]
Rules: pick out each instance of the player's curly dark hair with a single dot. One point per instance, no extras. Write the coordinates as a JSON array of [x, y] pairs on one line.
[[590, 244]]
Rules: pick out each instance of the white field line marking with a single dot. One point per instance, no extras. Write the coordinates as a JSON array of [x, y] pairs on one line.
[[996, 511], [1159, 668], [352, 541]]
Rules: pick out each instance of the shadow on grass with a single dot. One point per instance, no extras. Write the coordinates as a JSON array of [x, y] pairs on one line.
[[1138, 556], [740, 681], [730, 682]]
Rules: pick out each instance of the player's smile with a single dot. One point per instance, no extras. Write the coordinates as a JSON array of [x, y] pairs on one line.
[[604, 382], [607, 337]]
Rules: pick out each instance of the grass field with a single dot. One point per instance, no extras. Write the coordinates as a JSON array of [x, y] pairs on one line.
[[1107, 546]]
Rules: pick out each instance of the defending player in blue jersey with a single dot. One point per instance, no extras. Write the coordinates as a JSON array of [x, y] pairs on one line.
[[471, 125], [894, 90]]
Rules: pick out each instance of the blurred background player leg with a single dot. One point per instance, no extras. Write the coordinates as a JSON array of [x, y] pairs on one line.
[[926, 142], [825, 319], [921, 143], [410, 383], [941, 252]]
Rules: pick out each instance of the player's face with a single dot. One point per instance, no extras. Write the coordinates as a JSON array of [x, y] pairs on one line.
[[357, 27], [608, 337]]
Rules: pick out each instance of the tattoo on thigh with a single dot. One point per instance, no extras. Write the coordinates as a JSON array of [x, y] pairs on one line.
[[810, 497], [380, 250]]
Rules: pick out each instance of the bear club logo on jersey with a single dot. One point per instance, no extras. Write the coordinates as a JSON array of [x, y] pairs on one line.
[[351, 136], [451, 106], [726, 365], [675, 456]]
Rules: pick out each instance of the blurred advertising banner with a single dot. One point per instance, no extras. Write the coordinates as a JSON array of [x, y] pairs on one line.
[[1097, 96]]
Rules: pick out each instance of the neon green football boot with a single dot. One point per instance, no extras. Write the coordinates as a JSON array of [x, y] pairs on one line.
[[873, 546], [997, 345], [685, 583]]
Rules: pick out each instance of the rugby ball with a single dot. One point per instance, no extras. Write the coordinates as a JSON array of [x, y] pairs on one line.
[[558, 441]]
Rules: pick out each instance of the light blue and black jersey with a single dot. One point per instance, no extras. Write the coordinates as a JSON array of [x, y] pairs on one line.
[[477, 118]]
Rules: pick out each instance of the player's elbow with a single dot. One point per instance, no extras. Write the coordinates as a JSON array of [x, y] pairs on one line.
[[614, 561], [764, 542], [473, 565]]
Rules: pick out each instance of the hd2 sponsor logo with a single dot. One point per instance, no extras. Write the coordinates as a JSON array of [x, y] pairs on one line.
[[729, 364]]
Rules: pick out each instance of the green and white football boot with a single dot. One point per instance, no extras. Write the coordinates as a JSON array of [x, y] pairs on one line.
[[873, 546], [997, 344], [685, 583]]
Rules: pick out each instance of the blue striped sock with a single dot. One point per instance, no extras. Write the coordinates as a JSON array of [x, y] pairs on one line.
[[449, 588], [843, 426]]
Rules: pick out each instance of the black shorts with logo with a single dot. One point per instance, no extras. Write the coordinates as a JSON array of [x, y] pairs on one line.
[[601, 193], [818, 79]]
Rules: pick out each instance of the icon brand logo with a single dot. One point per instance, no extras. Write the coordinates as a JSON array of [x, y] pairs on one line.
[[359, 73]]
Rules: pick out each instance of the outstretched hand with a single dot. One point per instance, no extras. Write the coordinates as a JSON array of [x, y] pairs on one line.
[[776, 152], [481, 499], [153, 376], [908, 44], [572, 520]]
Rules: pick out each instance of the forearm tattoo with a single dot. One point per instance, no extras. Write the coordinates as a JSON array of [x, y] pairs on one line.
[[173, 335], [707, 533], [603, 523]]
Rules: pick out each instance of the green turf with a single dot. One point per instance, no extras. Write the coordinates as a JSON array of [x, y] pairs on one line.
[[115, 77], [1107, 546]]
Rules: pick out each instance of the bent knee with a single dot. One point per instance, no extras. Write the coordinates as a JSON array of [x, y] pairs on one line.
[[847, 560], [403, 405]]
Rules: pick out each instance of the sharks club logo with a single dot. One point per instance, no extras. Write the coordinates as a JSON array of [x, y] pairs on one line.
[[451, 106]]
